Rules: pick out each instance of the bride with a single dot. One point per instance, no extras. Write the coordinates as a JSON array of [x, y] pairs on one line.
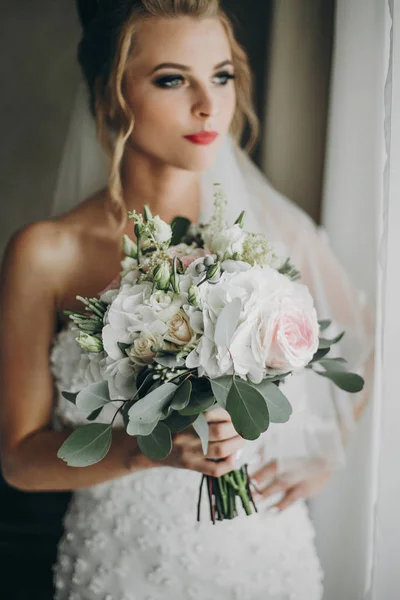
[[170, 91]]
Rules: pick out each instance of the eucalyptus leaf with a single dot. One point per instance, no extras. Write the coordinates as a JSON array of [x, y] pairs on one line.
[[93, 396], [86, 445], [180, 226], [158, 444], [200, 426], [169, 360], [140, 428], [333, 364], [220, 388], [248, 410], [279, 407], [349, 382], [227, 323], [182, 396], [123, 347], [176, 422], [70, 396], [150, 408], [324, 343], [198, 403], [93, 415], [324, 324], [319, 354]]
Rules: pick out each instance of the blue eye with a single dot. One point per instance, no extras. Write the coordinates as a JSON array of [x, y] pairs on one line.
[[223, 77], [169, 81]]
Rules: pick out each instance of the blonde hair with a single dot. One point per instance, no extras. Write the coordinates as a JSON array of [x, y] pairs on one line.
[[115, 121]]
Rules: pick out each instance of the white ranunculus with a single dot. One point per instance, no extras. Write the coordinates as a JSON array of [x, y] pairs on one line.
[[161, 230], [277, 328], [225, 242]]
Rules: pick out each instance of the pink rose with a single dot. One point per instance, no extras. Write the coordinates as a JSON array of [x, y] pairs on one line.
[[294, 339], [187, 254]]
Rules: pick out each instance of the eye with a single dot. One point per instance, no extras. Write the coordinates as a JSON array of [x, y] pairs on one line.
[[169, 81], [223, 77]]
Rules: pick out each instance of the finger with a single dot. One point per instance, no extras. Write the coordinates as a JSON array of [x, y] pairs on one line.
[[226, 448], [292, 495], [275, 487], [221, 431], [267, 472], [216, 415]]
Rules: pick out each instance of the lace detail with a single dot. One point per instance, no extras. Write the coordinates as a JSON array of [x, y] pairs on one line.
[[136, 538]]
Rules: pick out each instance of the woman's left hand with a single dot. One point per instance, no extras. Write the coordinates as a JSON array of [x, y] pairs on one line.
[[266, 483]]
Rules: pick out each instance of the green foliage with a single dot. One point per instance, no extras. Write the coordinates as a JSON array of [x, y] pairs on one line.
[[86, 445]]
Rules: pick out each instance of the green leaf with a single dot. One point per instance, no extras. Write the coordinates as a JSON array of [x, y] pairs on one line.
[[220, 388], [182, 396], [86, 445], [199, 402], [123, 346], [324, 324], [319, 354], [349, 382], [279, 407], [150, 408], [70, 396], [141, 428], [227, 323], [169, 360], [323, 343], [248, 410], [176, 422], [201, 428], [93, 396], [93, 415], [333, 364], [158, 444], [179, 225]]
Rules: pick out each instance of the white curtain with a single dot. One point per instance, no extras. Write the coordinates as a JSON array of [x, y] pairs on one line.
[[356, 517]]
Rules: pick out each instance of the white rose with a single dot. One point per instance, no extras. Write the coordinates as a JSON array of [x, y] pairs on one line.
[[142, 350], [179, 331], [161, 230]]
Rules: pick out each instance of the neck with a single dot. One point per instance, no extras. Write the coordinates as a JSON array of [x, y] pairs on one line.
[[168, 191]]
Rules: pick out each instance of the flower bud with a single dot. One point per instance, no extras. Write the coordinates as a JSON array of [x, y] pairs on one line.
[[162, 275], [240, 220], [194, 296], [90, 343], [209, 260], [214, 273], [200, 268], [161, 230], [147, 213], [175, 282], [129, 247]]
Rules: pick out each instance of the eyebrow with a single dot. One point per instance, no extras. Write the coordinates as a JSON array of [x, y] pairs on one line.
[[224, 63]]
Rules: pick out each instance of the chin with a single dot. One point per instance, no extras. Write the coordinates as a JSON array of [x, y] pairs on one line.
[[199, 160]]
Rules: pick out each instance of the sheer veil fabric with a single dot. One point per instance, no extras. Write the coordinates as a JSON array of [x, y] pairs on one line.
[[322, 420]]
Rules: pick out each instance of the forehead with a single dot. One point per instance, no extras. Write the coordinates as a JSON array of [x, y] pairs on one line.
[[191, 41]]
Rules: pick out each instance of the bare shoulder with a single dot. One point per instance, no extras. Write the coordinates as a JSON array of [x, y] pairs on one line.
[[56, 252]]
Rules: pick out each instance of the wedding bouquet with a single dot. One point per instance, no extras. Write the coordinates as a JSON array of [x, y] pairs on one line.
[[202, 316]]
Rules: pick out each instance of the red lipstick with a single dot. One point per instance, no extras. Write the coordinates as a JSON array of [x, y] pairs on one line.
[[203, 138]]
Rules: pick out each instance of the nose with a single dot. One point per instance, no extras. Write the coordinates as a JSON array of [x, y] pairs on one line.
[[204, 105]]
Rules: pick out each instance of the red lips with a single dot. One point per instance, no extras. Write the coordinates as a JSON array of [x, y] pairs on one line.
[[203, 138]]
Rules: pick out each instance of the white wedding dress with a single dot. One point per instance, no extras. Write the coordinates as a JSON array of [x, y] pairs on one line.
[[137, 537]]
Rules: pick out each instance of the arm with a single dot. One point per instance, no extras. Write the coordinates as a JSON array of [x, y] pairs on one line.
[[30, 284]]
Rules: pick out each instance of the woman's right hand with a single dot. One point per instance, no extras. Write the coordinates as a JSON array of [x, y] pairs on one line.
[[224, 443]]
